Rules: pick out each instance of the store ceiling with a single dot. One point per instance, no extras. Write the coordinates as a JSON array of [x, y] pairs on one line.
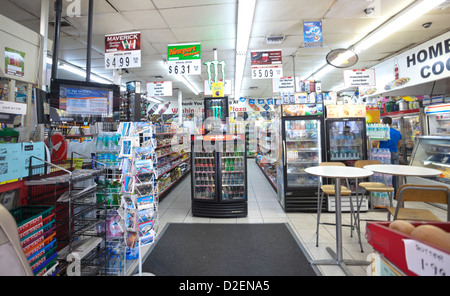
[[213, 23]]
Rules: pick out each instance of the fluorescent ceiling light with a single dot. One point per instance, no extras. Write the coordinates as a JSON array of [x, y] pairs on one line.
[[396, 23], [82, 73], [100, 79], [399, 21], [321, 72], [188, 84], [246, 10], [153, 99]]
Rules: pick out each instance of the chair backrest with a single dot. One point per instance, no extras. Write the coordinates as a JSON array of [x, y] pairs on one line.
[[336, 163], [12, 257], [424, 193], [362, 163]]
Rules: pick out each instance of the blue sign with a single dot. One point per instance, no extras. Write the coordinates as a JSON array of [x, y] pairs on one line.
[[312, 34]]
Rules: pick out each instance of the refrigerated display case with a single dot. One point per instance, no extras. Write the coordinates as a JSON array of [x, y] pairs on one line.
[[301, 127], [432, 152], [346, 140], [438, 120], [219, 176], [216, 108], [408, 123]]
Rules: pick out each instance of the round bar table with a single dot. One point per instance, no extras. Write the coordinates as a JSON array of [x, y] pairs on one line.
[[402, 170], [338, 173]]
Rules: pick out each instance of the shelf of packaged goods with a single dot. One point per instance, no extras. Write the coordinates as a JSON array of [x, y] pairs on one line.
[[231, 172], [161, 194], [172, 153], [174, 166], [175, 158], [271, 182], [165, 134]]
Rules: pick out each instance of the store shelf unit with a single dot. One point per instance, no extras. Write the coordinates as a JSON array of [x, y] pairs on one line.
[[79, 215], [265, 153], [173, 152]]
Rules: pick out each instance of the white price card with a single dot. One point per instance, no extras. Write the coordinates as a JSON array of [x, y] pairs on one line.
[[267, 72], [425, 260], [118, 60], [184, 67]]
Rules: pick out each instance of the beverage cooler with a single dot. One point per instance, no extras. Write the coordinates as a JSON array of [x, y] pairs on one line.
[[215, 108], [438, 120], [302, 146], [346, 140], [408, 123], [219, 176]]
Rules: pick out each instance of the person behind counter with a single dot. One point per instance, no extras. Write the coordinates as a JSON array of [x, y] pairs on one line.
[[393, 145]]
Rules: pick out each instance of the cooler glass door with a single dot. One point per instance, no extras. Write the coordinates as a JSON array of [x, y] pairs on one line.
[[204, 181], [233, 170], [303, 150], [346, 140]]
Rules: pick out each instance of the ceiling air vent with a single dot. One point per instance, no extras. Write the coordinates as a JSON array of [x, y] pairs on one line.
[[275, 39]]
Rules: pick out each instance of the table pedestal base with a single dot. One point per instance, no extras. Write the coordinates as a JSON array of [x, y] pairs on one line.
[[341, 263]]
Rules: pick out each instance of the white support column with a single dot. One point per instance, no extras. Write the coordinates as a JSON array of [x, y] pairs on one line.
[[180, 108]]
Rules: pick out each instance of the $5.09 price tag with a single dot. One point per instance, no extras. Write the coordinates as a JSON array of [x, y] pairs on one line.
[[267, 72], [425, 260], [119, 60]]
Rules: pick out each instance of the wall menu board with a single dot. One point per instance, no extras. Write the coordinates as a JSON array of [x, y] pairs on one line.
[[15, 159]]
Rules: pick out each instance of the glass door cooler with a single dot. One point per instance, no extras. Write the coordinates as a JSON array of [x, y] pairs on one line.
[[216, 114], [408, 123], [346, 140], [219, 177], [301, 128]]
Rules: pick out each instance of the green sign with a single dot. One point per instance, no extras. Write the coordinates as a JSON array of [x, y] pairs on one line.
[[178, 52], [184, 59], [14, 62]]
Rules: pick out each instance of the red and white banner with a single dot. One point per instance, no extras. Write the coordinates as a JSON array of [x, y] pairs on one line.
[[123, 50]]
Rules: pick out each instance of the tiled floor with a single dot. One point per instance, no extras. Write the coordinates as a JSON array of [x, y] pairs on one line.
[[263, 207]]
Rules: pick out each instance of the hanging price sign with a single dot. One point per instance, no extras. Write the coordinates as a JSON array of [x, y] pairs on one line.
[[266, 64], [123, 50], [184, 59]]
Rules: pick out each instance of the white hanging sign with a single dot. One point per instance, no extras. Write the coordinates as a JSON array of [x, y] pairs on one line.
[[359, 77], [159, 89]]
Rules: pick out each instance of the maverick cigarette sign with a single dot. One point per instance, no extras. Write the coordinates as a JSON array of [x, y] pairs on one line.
[[184, 59], [123, 50]]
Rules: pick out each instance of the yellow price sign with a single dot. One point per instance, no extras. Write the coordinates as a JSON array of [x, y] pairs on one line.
[[217, 89]]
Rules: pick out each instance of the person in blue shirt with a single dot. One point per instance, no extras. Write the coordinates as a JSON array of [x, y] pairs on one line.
[[394, 143]]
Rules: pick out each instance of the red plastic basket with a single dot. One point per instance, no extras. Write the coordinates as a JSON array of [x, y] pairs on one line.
[[390, 243]]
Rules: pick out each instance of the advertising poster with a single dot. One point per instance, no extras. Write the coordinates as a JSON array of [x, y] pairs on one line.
[[123, 50], [86, 101], [312, 34], [184, 59], [14, 62], [267, 64]]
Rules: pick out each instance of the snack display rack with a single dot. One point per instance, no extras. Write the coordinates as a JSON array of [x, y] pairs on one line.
[[406, 255], [36, 226], [79, 217]]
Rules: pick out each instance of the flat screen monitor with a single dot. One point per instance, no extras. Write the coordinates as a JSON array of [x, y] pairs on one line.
[[85, 99]]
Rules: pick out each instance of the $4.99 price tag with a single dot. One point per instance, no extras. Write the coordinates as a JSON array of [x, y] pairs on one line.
[[425, 260], [122, 60]]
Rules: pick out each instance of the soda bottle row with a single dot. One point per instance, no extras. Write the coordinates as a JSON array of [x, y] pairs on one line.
[[232, 192], [204, 179], [383, 155], [205, 192], [233, 179], [378, 131], [204, 165], [232, 164], [107, 141]]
